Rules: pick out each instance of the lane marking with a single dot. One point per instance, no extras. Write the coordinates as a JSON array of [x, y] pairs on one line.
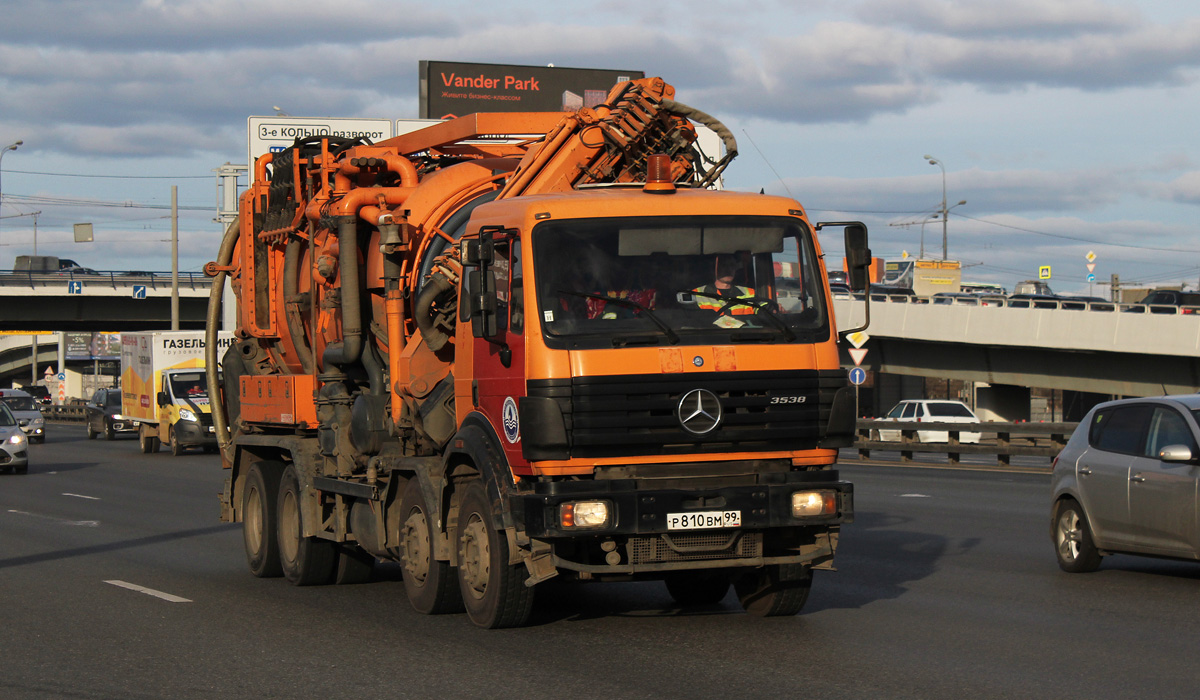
[[149, 591], [915, 495], [78, 523], [79, 495]]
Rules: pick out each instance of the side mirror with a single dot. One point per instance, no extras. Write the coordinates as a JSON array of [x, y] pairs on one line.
[[481, 285], [858, 256], [163, 399], [1175, 453]]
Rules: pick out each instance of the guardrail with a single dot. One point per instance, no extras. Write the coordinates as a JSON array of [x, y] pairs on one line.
[[114, 279], [71, 413], [1066, 303], [1001, 439]]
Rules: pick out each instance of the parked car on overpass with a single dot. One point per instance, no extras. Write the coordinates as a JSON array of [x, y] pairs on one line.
[[1127, 482]]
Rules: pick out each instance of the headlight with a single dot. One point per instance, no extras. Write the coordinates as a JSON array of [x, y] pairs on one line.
[[17, 439], [808, 504], [186, 414], [38, 421], [583, 514], [117, 416]]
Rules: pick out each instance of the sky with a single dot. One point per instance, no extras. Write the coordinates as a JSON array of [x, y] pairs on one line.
[[1067, 126]]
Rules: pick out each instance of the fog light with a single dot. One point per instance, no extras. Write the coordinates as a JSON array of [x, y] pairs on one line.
[[807, 504], [581, 514]]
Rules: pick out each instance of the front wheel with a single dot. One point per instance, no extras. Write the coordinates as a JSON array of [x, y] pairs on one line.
[[493, 591], [173, 438], [775, 590], [306, 561], [1073, 543]]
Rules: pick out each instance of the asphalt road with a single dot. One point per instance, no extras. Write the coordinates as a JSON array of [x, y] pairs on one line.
[[118, 581]]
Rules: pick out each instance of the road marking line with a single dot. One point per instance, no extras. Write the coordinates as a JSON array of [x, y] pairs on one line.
[[149, 591], [915, 495], [80, 523], [79, 495]]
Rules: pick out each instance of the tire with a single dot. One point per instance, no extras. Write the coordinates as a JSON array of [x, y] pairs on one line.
[[260, 503], [91, 433], [429, 584], [148, 442], [698, 588], [1073, 545], [22, 470], [493, 591], [775, 590], [353, 565], [306, 561], [176, 448], [109, 433], [38, 440]]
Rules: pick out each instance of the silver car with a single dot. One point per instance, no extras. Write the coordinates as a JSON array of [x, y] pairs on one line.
[[1127, 481], [14, 446]]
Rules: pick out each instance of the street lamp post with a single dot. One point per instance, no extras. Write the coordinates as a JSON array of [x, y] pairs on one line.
[[935, 161], [9, 147]]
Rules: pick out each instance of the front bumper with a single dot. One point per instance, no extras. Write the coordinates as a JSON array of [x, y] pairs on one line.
[[639, 540], [123, 425], [193, 434]]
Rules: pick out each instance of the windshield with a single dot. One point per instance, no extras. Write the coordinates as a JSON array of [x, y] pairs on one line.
[[112, 400], [193, 385], [671, 280], [20, 403]]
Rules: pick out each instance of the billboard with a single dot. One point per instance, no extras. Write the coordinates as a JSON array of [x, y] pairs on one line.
[[273, 134], [92, 346], [453, 89]]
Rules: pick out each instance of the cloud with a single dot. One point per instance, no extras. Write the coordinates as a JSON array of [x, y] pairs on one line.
[[1185, 189], [1030, 18]]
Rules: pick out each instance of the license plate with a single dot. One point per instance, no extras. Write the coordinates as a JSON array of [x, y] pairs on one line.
[[704, 520]]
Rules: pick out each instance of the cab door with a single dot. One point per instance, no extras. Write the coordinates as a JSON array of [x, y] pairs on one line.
[[1162, 495], [499, 362]]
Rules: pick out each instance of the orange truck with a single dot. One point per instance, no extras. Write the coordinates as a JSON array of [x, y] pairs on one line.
[[512, 347]]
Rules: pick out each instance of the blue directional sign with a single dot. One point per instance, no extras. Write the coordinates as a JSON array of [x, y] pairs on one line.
[[74, 287], [1091, 278], [139, 291], [858, 375]]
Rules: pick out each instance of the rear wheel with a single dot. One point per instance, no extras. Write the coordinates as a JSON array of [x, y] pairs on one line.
[[148, 442], [260, 517], [91, 433], [775, 590], [428, 583], [691, 588], [306, 561], [1073, 543], [109, 433], [494, 591]]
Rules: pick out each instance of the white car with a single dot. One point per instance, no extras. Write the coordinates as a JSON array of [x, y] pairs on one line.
[[931, 411]]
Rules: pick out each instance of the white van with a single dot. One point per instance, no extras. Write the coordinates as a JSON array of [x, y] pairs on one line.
[[931, 411]]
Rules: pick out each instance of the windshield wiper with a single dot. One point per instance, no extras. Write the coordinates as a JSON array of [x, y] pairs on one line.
[[759, 305], [672, 336]]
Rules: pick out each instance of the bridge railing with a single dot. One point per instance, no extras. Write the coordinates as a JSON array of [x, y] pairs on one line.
[[110, 278], [1066, 303], [1004, 440]]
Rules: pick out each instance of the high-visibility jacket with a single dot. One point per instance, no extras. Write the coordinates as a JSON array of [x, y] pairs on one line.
[[713, 303]]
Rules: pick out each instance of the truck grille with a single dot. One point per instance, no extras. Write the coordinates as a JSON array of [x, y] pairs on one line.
[[655, 549], [639, 414]]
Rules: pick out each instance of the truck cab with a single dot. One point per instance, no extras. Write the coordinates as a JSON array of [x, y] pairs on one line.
[[184, 412]]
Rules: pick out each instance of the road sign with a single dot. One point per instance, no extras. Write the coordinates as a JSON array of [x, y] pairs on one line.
[[857, 354], [1091, 267], [139, 291], [74, 287], [61, 376], [1090, 257], [858, 375], [1044, 272], [858, 339], [1091, 278]]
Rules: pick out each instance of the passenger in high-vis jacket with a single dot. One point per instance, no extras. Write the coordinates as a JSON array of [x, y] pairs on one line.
[[714, 297]]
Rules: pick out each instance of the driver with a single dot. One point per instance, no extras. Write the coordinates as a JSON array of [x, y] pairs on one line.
[[713, 297]]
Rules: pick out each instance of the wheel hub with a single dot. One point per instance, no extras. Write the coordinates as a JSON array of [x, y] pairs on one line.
[[474, 560], [416, 553]]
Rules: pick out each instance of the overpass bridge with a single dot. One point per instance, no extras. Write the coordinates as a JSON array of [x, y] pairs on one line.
[[99, 301], [1112, 349]]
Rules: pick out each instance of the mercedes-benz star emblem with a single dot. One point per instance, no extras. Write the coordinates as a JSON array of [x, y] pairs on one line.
[[699, 411]]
